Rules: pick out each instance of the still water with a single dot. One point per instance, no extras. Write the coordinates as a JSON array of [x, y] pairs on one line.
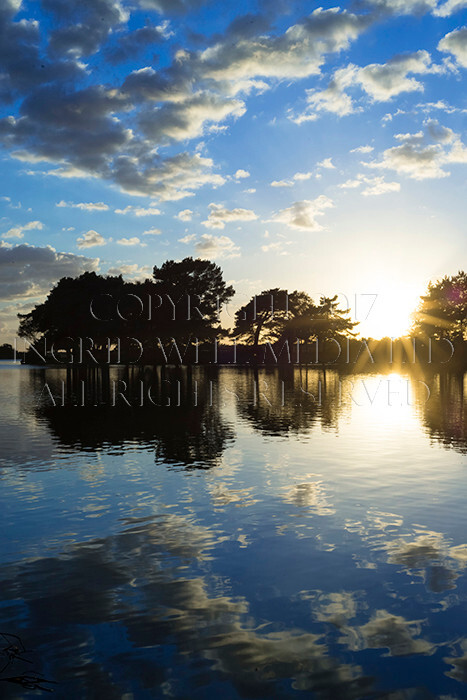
[[266, 535]]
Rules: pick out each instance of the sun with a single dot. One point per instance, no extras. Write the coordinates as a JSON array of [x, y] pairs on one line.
[[389, 313]]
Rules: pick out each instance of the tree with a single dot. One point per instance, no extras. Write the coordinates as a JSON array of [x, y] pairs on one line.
[[442, 312], [277, 315], [320, 323], [67, 310], [183, 301], [330, 322], [265, 316], [6, 351], [192, 293]]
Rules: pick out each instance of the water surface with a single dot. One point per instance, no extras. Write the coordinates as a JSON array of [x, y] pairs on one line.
[[270, 534]]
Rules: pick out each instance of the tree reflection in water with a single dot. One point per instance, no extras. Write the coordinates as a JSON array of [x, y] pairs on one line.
[[445, 414], [179, 416]]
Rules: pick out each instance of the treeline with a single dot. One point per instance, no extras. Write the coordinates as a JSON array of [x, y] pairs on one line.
[[179, 317]]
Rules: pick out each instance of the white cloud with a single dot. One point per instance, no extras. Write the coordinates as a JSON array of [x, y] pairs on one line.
[[188, 238], [241, 174], [428, 107], [298, 177], [352, 184], [362, 149], [308, 115], [383, 81], [326, 163], [170, 179], [295, 54], [378, 186], [281, 183], [450, 7], [152, 232], [332, 99], [90, 239], [456, 43], [381, 188], [85, 206], [209, 246], [219, 216], [18, 231], [373, 185], [177, 121], [129, 241], [138, 211], [250, 190], [302, 215], [380, 81], [401, 7], [185, 215], [424, 155]]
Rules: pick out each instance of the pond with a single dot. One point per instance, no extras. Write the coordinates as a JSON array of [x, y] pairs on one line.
[[225, 532]]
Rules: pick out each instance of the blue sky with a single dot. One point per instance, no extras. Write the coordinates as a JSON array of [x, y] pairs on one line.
[[319, 148]]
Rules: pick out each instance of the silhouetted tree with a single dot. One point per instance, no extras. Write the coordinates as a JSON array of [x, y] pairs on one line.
[[183, 301], [324, 321], [443, 310], [67, 311], [191, 294], [6, 351], [275, 315], [265, 316]]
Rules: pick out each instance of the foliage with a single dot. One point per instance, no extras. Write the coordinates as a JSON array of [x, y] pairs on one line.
[[197, 290], [184, 299], [324, 321], [6, 351], [277, 315], [443, 310], [66, 313], [268, 316]]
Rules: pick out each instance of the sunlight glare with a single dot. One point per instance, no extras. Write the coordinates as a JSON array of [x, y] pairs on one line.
[[391, 314]]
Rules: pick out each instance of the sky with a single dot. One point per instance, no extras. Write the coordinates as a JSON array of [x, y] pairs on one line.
[[300, 145]]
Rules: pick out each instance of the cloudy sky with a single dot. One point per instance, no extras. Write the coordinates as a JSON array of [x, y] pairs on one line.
[[320, 148]]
